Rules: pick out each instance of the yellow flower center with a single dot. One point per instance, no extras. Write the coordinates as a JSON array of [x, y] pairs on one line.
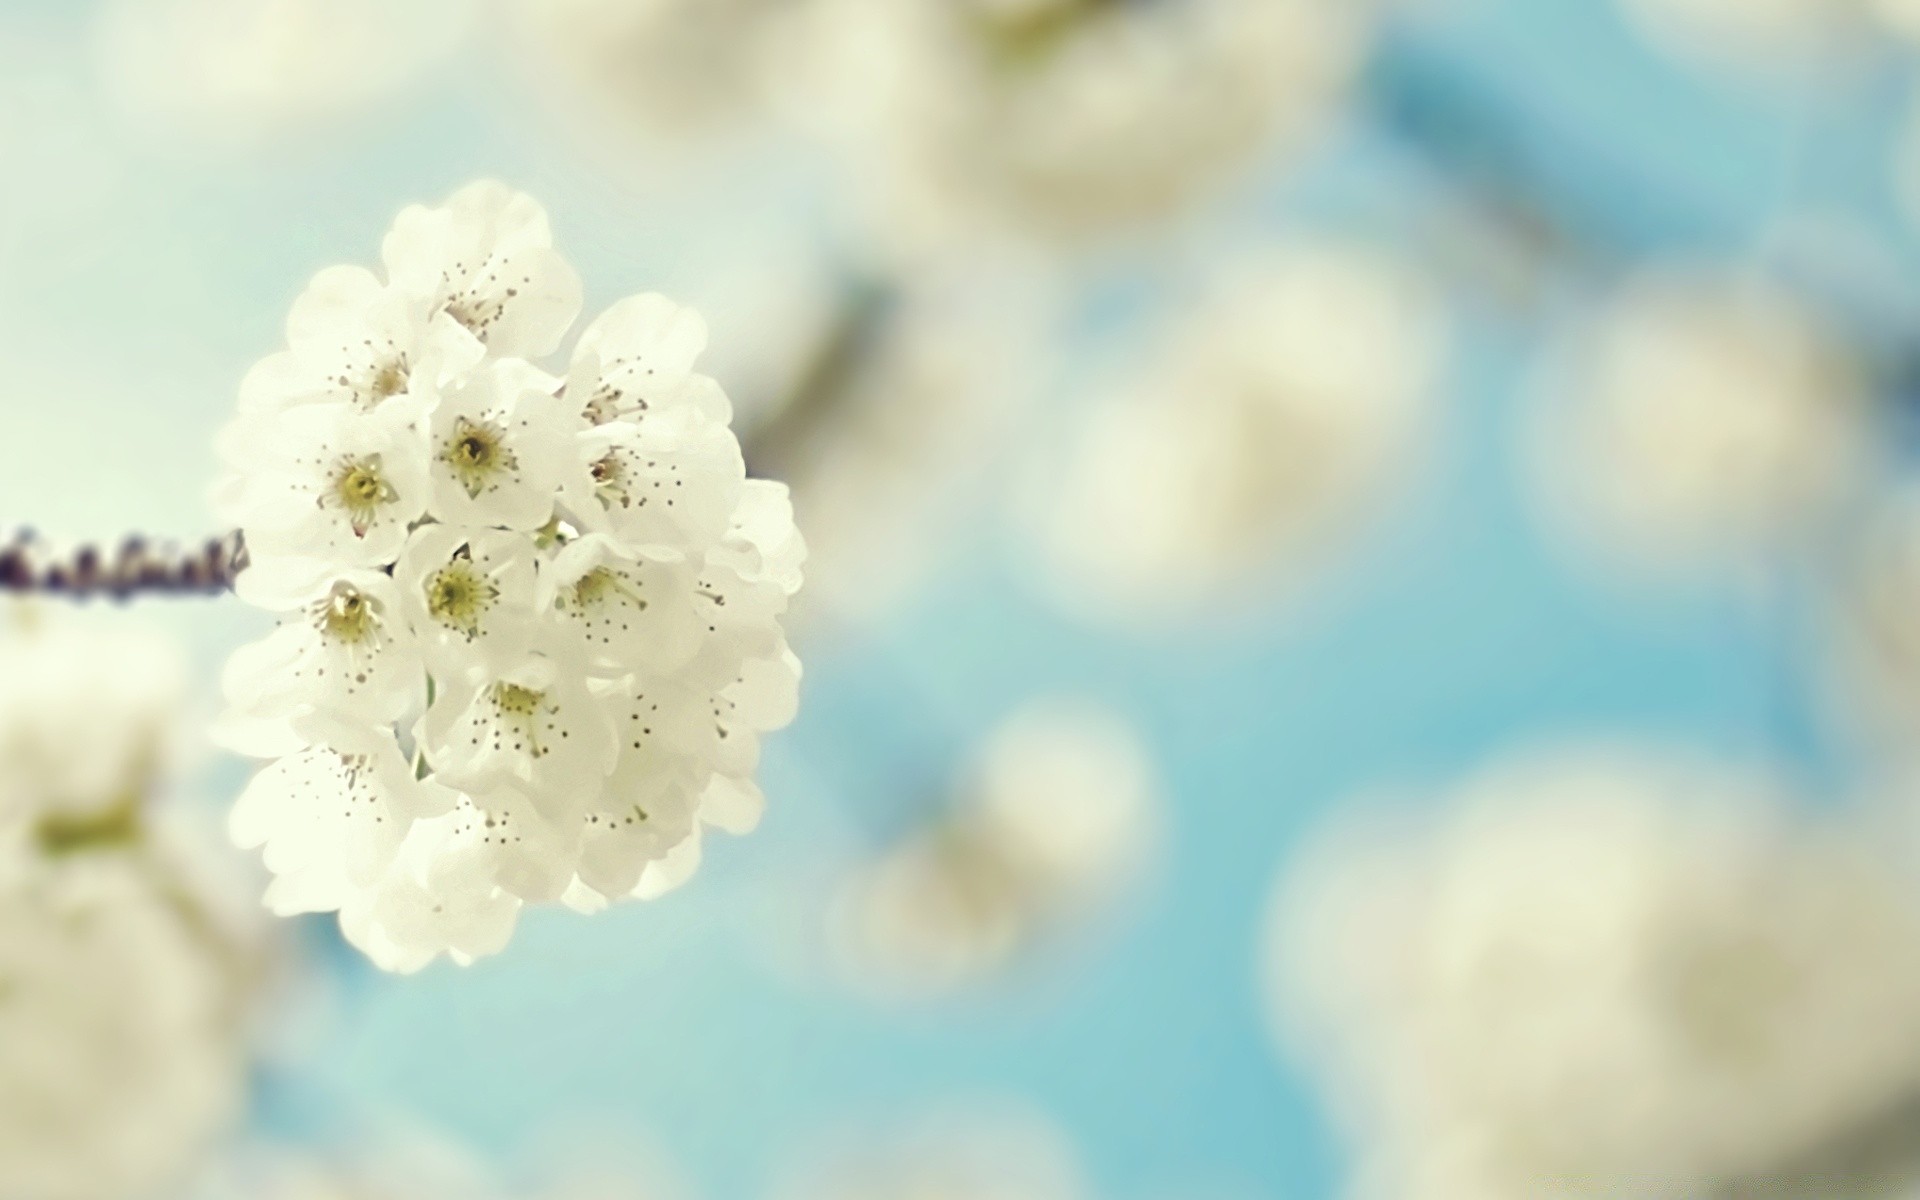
[[519, 708], [458, 596], [477, 453], [347, 616], [388, 381], [359, 489], [516, 700], [600, 585], [610, 478]]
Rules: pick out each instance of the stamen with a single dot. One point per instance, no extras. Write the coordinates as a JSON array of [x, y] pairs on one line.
[[600, 584], [519, 708], [477, 453], [346, 616], [359, 489], [610, 479], [458, 595]]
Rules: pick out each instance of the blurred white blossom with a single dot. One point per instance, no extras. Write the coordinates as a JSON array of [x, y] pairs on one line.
[[654, 67], [1603, 972], [238, 71], [121, 1050], [90, 721], [532, 620], [1698, 419], [1052, 823], [1052, 120], [123, 981], [1270, 420]]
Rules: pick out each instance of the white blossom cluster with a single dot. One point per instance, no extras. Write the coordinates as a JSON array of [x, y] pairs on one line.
[[1699, 418], [122, 985], [531, 620], [1605, 973], [1059, 118]]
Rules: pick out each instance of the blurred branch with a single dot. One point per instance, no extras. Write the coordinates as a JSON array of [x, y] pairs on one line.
[[1555, 201], [135, 567], [774, 442]]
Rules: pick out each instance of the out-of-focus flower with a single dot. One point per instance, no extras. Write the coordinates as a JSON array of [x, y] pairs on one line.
[[1056, 119], [533, 621], [1605, 973], [1270, 420], [89, 724], [121, 1055], [1698, 419], [968, 1152], [1054, 822], [122, 985], [655, 67], [239, 71]]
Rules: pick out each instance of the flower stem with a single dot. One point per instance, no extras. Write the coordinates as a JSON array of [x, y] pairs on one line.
[[136, 566]]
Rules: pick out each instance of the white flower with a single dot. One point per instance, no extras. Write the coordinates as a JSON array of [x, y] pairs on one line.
[[1268, 424], [1052, 824], [325, 486], [349, 658], [651, 67], [501, 445], [441, 895], [637, 358], [486, 259], [355, 341], [469, 595], [1696, 419], [532, 630], [628, 610], [532, 727], [330, 821], [671, 479], [1606, 973], [1059, 119], [120, 1048]]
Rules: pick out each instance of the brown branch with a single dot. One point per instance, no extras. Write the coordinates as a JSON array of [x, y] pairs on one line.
[[29, 565]]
